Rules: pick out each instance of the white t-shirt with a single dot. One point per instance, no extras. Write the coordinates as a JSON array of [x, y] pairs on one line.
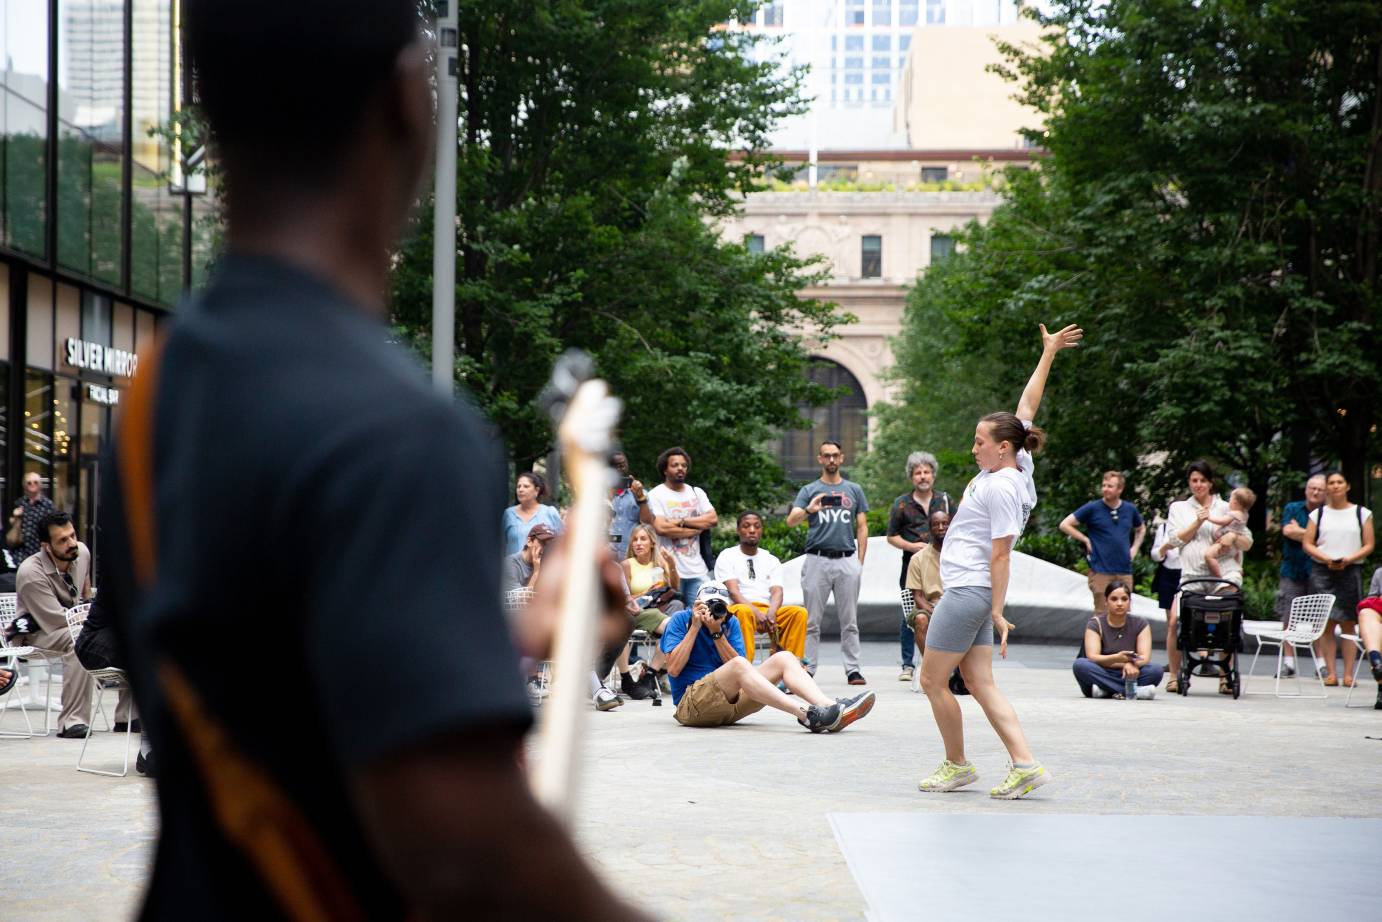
[[996, 504], [1339, 535], [733, 563], [676, 505]]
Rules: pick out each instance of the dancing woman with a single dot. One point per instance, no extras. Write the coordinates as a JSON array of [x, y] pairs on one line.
[[974, 572]]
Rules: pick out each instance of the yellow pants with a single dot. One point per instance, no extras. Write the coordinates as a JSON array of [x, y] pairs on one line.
[[791, 627]]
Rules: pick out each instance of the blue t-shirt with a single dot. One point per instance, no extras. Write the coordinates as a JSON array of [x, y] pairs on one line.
[[516, 530], [1110, 531], [1295, 563], [705, 659]]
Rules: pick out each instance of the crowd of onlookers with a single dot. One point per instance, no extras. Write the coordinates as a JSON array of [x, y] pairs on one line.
[[661, 537]]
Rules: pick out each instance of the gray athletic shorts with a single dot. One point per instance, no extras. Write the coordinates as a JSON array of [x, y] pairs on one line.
[[961, 620]]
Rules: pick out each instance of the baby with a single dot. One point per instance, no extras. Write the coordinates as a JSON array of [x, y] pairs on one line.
[[1235, 523]]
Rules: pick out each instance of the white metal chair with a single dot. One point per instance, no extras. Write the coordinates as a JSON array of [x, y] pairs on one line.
[[1356, 639], [105, 678], [1306, 624], [12, 656], [515, 601]]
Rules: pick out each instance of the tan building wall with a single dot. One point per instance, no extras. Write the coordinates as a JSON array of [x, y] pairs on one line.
[[833, 224], [946, 96]]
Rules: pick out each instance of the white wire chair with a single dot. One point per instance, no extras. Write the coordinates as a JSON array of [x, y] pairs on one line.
[[105, 678], [540, 684], [909, 607], [1356, 639], [12, 655], [1304, 626]]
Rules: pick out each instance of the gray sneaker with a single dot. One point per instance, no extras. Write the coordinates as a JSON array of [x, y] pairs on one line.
[[606, 700], [822, 719]]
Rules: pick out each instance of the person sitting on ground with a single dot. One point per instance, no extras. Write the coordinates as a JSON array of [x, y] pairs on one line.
[[714, 685], [1369, 630], [1230, 526], [753, 577], [522, 569], [1117, 648]]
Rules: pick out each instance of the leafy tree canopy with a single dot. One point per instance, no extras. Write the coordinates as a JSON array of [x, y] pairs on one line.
[[1210, 212], [594, 156]]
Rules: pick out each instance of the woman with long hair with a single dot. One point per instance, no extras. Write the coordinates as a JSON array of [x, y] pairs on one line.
[[1338, 538], [529, 489], [975, 563]]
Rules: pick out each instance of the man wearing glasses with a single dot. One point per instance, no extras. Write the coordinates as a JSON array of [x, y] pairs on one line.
[[837, 537], [753, 577], [1113, 534], [48, 583], [28, 511]]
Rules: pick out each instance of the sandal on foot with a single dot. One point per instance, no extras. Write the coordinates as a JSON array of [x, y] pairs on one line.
[[1173, 686], [1331, 681]]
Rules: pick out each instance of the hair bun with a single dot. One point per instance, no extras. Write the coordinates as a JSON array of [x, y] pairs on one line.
[[1036, 438]]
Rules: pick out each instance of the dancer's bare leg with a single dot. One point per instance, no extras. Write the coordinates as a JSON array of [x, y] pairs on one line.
[[977, 670], [936, 667]]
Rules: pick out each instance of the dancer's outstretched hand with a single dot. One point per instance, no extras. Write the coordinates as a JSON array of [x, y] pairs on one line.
[[1067, 338], [1003, 626]]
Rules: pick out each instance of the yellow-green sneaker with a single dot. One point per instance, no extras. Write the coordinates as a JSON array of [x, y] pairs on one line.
[[949, 777], [1021, 782]]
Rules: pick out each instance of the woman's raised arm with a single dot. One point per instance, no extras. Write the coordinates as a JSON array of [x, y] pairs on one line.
[[1051, 343]]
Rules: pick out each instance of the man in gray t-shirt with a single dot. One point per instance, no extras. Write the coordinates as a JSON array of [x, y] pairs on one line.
[[837, 539]]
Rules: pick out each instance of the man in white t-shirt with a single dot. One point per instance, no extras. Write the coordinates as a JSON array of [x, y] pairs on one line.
[[680, 513], [753, 577]]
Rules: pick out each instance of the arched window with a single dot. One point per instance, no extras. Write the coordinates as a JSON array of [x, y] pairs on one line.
[[843, 420]]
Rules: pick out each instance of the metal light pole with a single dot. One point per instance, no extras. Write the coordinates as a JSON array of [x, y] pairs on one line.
[[444, 206]]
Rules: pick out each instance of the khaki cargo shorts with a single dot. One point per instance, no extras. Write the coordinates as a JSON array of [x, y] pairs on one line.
[[705, 705]]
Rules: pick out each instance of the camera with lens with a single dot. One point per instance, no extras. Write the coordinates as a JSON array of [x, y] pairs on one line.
[[718, 609]]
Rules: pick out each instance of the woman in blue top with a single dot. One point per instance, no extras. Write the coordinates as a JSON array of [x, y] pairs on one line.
[[529, 490], [974, 574]]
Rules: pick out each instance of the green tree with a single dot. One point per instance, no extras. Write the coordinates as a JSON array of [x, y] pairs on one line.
[[595, 143], [1210, 211]]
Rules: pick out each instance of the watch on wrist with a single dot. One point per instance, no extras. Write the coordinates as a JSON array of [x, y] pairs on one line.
[[716, 635]]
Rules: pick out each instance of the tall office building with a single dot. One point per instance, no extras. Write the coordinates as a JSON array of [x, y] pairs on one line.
[[855, 51]]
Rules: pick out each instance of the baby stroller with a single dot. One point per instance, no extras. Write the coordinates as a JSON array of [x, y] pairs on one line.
[[1210, 632]]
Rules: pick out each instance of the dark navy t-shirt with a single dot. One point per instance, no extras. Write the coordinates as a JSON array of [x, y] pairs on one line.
[[328, 573], [705, 659], [1110, 531]]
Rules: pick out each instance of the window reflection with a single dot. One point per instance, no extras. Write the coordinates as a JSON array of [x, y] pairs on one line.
[[91, 89], [155, 214], [23, 125]]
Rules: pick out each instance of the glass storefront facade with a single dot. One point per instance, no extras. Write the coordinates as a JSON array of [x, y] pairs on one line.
[[97, 243]]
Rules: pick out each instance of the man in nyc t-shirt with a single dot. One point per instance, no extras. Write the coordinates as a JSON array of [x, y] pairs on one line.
[[837, 539]]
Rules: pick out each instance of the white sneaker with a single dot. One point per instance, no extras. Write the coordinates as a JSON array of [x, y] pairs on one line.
[[1098, 692], [1146, 692], [606, 700]]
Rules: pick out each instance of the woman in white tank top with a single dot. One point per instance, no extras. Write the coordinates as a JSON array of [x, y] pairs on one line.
[[1338, 538]]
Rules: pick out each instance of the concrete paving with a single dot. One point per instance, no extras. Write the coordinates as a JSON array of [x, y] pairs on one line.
[[733, 823]]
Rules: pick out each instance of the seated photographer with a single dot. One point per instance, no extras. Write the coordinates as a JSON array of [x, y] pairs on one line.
[[713, 685], [1117, 649], [753, 577]]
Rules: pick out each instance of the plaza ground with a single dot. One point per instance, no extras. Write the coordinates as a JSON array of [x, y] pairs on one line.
[[733, 823]]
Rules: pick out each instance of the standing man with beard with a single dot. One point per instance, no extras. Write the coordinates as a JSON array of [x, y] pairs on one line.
[[909, 531], [837, 538], [680, 513]]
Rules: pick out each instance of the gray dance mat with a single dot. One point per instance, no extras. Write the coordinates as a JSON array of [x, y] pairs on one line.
[[926, 867]]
